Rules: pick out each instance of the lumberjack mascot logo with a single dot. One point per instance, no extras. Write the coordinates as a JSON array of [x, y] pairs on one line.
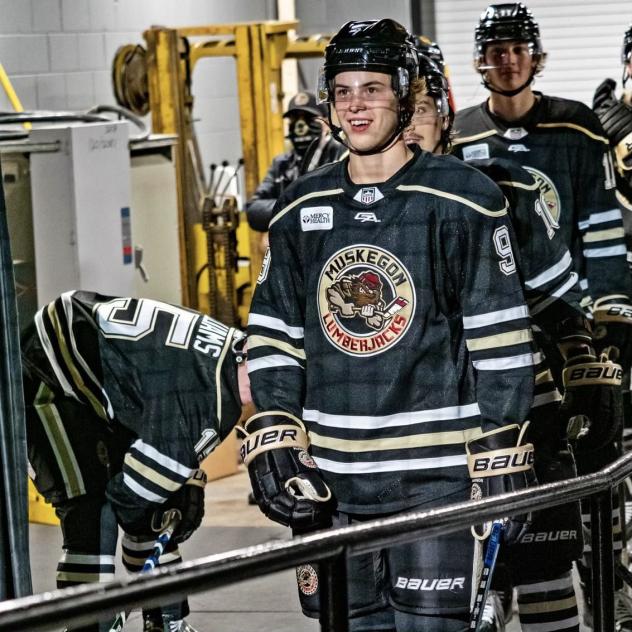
[[366, 300]]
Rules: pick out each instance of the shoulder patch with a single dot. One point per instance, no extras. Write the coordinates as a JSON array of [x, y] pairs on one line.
[[476, 152]]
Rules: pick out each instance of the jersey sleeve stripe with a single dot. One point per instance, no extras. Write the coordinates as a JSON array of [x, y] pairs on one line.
[[503, 364], [71, 366], [518, 185], [457, 198], [59, 442], [365, 422], [456, 437], [151, 475], [611, 251], [304, 198], [546, 398], [141, 491], [162, 459], [500, 340], [276, 324], [270, 362], [264, 341], [579, 128], [604, 235], [613, 215], [469, 139], [492, 318], [551, 273], [537, 306], [375, 467]]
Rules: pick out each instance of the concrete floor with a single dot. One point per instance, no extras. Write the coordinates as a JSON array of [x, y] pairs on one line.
[[267, 604]]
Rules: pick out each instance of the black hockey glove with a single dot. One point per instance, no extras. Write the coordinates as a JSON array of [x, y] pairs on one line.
[[498, 463], [604, 97], [188, 505], [592, 406], [285, 480], [613, 327]]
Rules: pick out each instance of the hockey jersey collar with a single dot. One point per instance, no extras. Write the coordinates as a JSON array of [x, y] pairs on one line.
[[370, 194], [504, 128]]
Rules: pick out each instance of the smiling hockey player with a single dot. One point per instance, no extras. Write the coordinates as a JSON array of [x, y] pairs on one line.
[[387, 407]]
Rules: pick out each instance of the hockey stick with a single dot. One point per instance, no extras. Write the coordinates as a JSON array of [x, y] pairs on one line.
[[170, 522], [485, 581]]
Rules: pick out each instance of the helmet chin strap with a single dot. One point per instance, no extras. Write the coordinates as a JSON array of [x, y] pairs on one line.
[[508, 93], [336, 132]]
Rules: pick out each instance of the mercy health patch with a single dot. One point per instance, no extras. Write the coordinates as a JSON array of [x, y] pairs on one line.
[[366, 300], [476, 152], [317, 218]]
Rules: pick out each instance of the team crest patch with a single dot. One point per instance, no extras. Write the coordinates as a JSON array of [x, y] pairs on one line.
[[549, 207], [368, 195], [307, 579], [366, 300], [476, 493]]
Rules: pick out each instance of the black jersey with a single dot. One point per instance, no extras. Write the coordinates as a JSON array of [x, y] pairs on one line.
[[372, 306], [562, 145], [160, 376]]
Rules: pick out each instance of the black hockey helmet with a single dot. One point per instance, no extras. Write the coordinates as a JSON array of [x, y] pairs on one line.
[[377, 46], [436, 86], [430, 49], [504, 23]]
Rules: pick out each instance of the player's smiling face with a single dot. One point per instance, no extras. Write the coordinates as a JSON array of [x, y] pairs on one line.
[[366, 107], [511, 63]]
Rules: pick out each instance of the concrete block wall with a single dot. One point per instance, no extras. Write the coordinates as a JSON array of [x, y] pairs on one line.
[[58, 55]]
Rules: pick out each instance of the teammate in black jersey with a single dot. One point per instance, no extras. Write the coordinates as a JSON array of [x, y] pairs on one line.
[[561, 143], [124, 398], [388, 342], [544, 555]]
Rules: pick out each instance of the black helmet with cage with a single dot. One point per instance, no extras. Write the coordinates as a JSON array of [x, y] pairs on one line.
[[383, 46], [504, 23]]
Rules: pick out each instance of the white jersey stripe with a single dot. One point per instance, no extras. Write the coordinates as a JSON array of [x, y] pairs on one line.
[[503, 364], [610, 251], [558, 584], [546, 398], [276, 324], [551, 273], [167, 462], [612, 215], [538, 307], [141, 491], [357, 422], [492, 318], [83, 558], [375, 467], [271, 361]]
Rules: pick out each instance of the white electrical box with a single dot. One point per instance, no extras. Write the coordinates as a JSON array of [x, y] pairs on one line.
[[82, 211]]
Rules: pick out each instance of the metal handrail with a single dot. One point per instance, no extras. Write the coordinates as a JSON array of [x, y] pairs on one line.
[[81, 605]]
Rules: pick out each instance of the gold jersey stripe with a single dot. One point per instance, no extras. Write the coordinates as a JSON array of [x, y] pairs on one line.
[[450, 196], [579, 128], [467, 139], [70, 364], [603, 235], [455, 437], [518, 185], [548, 606], [500, 340], [84, 578], [265, 341], [304, 198], [59, 442], [150, 474], [544, 377]]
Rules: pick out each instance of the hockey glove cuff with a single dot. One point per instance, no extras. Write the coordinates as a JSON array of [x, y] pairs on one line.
[[500, 462], [592, 406], [613, 327], [285, 480]]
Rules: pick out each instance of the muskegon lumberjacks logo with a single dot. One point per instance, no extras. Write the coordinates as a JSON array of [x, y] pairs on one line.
[[549, 205], [366, 300]]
